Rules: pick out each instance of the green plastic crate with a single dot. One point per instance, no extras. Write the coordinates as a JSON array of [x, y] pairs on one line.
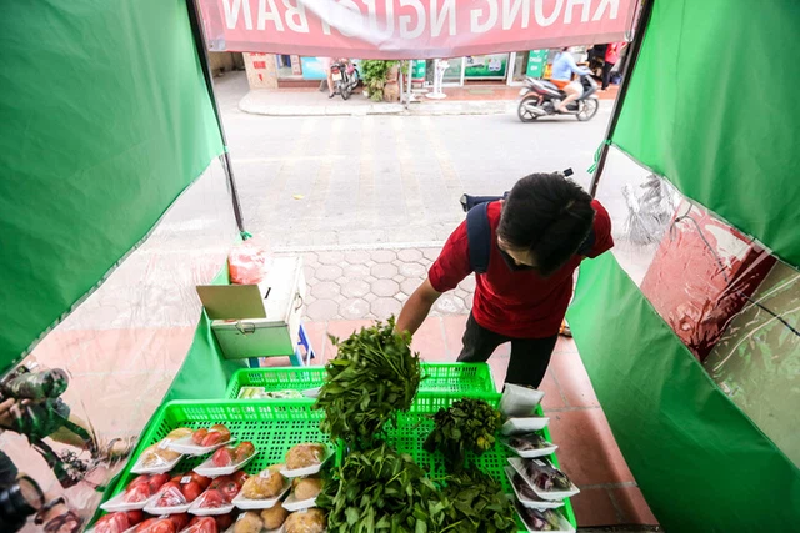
[[466, 378], [272, 426], [413, 428]]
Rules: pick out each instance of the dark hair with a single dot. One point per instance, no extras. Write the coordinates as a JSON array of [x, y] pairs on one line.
[[548, 214]]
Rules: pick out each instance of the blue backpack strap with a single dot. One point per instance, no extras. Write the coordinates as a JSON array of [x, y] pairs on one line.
[[479, 238]]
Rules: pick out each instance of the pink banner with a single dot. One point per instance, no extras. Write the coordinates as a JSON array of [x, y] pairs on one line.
[[411, 29]]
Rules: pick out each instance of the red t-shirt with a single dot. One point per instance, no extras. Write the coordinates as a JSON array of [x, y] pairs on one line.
[[518, 304]]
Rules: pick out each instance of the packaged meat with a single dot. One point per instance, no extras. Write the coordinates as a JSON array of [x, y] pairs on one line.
[[525, 494], [547, 482], [544, 520], [528, 445]]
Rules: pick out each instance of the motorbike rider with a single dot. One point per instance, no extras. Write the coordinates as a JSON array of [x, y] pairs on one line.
[[561, 76]]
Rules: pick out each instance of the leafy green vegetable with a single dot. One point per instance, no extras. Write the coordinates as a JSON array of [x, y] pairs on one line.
[[373, 374], [475, 503], [381, 490], [468, 425]]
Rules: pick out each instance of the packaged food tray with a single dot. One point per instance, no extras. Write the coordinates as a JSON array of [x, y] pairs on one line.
[[273, 427]]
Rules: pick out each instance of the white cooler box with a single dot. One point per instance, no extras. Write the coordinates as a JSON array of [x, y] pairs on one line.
[[276, 334]]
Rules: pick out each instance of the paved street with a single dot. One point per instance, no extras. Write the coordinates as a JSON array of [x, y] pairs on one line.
[[369, 200]]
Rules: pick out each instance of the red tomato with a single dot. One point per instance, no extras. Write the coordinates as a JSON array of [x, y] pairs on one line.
[[230, 490], [199, 435], [179, 520], [139, 480], [212, 439], [145, 526], [217, 482], [192, 490], [162, 525], [222, 457], [137, 493], [203, 481], [157, 480], [169, 484], [240, 477], [134, 517], [222, 430], [112, 523], [203, 524], [212, 498], [224, 521]]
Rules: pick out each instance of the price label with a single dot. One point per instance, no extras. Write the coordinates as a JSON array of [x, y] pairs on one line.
[[185, 479]]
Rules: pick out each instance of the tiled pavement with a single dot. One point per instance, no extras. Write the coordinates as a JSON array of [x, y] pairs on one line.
[[587, 450]]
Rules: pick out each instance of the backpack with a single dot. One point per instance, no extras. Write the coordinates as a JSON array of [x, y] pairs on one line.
[[479, 232]]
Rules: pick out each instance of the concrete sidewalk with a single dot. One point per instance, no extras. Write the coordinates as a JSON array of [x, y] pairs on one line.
[[315, 103]]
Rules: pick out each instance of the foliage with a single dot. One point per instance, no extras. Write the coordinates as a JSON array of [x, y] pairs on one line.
[[373, 375], [469, 425], [474, 502], [381, 490], [374, 74]]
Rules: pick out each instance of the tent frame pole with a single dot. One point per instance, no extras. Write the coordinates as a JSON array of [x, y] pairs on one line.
[[635, 46], [202, 53]]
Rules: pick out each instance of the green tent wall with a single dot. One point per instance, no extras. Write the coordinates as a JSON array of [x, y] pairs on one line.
[[704, 110], [105, 119]]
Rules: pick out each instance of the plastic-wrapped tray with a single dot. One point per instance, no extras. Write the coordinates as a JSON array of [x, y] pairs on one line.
[[528, 454], [185, 446], [118, 504], [292, 504], [518, 463], [519, 401], [539, 503], [138, 468], [208, 470], [150, 508], [209, 511], [249, 503], [566, 527], [516, 425]]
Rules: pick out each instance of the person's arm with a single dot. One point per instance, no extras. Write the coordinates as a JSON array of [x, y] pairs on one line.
[[445, 274], [417, 307], [576, 69]]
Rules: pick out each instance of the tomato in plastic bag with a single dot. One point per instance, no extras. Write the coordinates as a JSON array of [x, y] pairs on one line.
[[247, 264], [112, 523]]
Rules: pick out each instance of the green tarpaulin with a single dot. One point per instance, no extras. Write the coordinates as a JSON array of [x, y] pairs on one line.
[[711, 107], [105, 119], [700, 462]]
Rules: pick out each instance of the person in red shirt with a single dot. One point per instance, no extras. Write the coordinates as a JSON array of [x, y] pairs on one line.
[[539, 234]]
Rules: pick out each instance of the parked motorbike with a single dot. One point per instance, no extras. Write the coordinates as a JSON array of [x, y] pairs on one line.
[[345, 79], [540, 98]]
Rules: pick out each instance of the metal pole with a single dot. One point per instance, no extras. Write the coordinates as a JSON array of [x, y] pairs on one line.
[[202, 53], [635, 46], [408, 81]]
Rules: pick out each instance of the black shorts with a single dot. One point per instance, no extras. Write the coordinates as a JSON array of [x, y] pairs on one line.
[[529, 357]]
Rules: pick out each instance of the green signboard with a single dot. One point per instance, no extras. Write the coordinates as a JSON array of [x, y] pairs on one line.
[[491, 66], [418, 69], [537, 59]]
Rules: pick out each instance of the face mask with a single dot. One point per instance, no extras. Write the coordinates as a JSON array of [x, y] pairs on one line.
[[512, 265]]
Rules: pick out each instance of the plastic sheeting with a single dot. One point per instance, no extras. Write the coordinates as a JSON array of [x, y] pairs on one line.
[[686, 114], [700, 462], [125, 347], [105, 120]]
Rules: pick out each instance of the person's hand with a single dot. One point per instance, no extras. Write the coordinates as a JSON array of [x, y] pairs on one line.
[[7, 412]]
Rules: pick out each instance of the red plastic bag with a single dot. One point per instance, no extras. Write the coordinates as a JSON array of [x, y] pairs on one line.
[[247, 263]]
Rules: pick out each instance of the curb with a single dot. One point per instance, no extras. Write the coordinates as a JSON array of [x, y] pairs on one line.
[[501, 107]]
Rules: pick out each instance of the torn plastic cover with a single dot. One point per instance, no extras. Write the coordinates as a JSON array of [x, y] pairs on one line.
[[732, 303], [123, 346]]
